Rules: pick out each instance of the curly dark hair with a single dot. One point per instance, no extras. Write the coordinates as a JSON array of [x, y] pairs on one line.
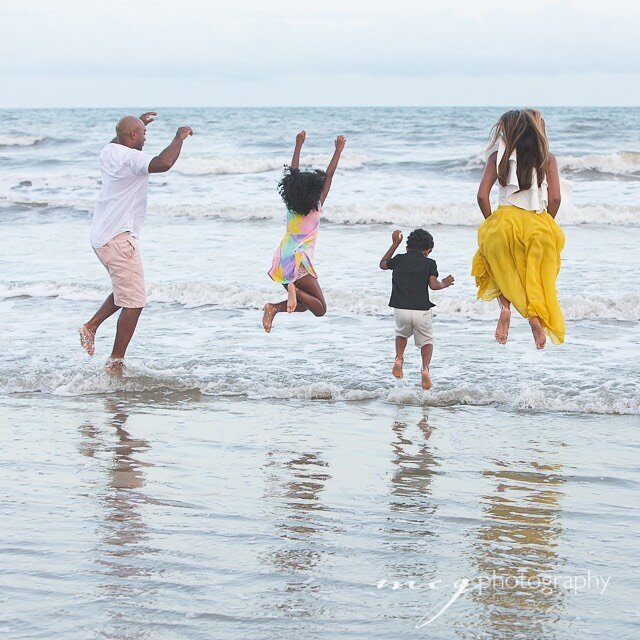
[[301, 190], [420, 240]]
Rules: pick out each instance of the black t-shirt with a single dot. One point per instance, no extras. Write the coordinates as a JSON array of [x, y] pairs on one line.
[[410, 282]]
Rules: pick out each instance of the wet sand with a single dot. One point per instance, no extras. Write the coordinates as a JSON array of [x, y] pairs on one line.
[[142, 516]]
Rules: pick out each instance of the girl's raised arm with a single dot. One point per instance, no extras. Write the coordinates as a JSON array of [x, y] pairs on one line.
[[300, 138], [489, 178], [331, 169]]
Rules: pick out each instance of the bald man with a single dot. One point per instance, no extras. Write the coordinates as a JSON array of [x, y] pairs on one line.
[[115, 229]]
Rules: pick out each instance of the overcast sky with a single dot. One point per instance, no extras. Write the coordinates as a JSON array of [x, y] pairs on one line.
[[323, 52]]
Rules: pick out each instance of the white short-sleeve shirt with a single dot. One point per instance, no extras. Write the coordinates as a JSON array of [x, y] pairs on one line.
[[122, 205]]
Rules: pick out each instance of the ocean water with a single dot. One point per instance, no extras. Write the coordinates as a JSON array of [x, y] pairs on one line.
[[250, 485], [215, 220]]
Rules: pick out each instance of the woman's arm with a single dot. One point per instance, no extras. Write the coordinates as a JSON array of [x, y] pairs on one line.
[[300, 138], [489, 178], [331, 169], [553, 187], [396, 240], [436, 284]]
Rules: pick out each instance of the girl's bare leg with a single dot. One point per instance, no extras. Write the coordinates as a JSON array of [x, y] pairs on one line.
[[538, 333], [426, 352], [308, 295], [401, 345], [502, 330], [292, 300]]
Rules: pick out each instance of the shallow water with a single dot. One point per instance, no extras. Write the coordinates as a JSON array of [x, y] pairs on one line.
[[140, 518]]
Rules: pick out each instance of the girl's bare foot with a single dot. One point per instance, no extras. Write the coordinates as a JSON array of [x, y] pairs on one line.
[[87, 339], [426, 380], [292, 298], [268, 316], [397, 367], [538, 333], [114, 367], [502, 330]]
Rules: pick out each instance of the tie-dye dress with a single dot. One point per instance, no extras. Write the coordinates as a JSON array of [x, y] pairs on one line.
[[294, 257]]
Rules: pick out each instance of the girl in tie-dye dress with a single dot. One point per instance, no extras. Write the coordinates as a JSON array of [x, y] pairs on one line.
[[304, 193]]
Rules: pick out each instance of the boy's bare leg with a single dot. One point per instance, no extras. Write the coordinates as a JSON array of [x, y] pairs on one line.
[[502, 330], [127, 322], [88, 330], [426, 351], [538, 333], [401, 345]]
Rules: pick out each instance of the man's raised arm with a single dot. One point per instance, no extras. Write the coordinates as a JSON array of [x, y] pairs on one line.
[[167, 158]]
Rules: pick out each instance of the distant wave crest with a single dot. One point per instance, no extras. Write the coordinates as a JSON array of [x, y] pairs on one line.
[[20, 141], [212, 165]]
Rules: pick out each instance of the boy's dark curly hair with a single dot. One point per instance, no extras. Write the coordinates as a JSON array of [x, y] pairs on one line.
[[420, 240], [301, 190]]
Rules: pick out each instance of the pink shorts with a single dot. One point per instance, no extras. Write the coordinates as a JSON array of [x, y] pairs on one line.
[[121, 257]]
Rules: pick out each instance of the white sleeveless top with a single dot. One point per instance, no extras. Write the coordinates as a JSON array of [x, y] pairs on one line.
[[532, 199]]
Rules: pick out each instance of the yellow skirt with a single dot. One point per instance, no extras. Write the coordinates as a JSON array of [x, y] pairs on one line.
[[518, 257]]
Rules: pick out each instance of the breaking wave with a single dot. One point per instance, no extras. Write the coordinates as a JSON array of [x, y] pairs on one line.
[[624, 308]]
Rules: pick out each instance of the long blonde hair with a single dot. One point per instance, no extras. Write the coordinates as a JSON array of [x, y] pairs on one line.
[[522, 130]]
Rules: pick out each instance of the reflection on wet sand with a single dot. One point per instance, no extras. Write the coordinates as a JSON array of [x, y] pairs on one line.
[[519, 541], [411, 519], [120, 500], [294, 486]]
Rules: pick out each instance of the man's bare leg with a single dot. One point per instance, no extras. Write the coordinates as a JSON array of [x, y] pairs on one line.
[[126, 326], [401, 345], [502, 330], [538, 333], [88, 330], [426, 351]]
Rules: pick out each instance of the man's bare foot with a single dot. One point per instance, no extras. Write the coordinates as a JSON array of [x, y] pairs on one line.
[[87, 339], [268, 316], [502, 330], [397, 367], [538, 333], [292, 298], [114, 367], [426, 380]]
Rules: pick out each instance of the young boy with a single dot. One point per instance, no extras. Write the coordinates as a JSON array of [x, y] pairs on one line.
[[413, 274]]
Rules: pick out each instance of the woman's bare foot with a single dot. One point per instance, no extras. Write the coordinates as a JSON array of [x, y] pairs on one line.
[[426, 380], [114, 367], [538, 333], [268, 316], [87, 339], [397, 367], [502, 330], [292, 298]]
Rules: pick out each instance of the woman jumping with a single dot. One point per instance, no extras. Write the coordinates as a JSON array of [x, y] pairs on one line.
[[519, 244]]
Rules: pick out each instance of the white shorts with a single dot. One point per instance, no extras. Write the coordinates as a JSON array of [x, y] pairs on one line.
[[411, 322]]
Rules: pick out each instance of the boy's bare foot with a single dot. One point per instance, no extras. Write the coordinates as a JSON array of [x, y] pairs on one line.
[[397, 367], [87, 339], [292, 298], [538, 333], [268, 316], [426, 380], [502, 330], [114, 367]]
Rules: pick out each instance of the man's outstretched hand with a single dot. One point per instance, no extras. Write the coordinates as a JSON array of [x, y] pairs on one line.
[[148, 117]]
